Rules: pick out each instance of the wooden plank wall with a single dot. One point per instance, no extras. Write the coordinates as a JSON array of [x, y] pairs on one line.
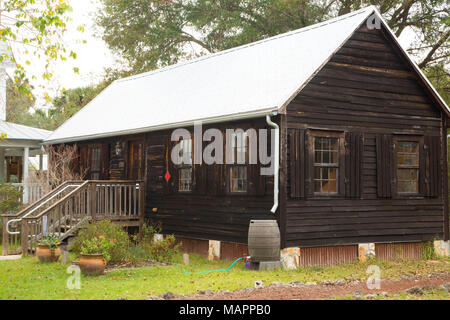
[[208, 212], [368, 88]]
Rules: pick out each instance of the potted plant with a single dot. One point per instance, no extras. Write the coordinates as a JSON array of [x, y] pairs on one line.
[[94, 255], [48, 249]]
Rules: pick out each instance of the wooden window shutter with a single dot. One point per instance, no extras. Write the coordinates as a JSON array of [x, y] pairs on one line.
[[430, 176], [104, 161], [200, 174], [297, 162], [171, 186], [256, 181], [353, 155], [385, 164]]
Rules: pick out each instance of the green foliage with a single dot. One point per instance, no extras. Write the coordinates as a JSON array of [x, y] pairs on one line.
[[162, 250], [428, 252], [38, 29], [99, 245], [50, 240], [109, 231], [63, 107], [10, 198], [439, 75]]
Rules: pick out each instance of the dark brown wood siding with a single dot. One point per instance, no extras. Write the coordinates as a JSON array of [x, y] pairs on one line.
[[209, 211], [366, 90]]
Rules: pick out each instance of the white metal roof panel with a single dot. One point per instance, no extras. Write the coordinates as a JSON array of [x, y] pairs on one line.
[[16, 131], [243, 81]]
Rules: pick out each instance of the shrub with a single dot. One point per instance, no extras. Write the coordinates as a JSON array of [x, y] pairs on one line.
[[10, 198], [109, 231], [51, 241], [99, 245], [162, 250], [428, 252]]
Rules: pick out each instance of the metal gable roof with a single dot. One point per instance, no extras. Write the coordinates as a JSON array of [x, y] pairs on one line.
[[20, 132], [247, 81]]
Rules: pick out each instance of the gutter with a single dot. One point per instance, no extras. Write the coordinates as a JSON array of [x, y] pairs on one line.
[[211, 120], [276, 168]]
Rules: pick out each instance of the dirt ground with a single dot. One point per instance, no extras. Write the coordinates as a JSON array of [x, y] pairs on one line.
[[323, 291]]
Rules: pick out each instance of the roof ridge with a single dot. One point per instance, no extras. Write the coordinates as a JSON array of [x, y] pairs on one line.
[[220, 53]]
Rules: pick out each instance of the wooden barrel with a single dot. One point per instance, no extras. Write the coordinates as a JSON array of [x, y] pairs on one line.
[[264, 240]]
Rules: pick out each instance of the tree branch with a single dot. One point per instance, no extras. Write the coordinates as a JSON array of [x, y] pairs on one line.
[[438, 44]]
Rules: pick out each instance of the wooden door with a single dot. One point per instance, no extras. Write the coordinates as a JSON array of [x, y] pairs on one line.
[[135, 163]]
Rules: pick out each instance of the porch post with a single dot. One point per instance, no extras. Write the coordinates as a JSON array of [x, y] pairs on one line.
[[2, 164], [26, 154], [41, 162]]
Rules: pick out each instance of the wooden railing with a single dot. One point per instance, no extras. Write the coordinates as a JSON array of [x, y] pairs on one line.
[[92, 200], [11, 242]]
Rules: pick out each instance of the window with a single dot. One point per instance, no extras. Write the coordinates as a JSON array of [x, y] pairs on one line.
[[326, 164], [185, 170], [185, 179], [238, 179], [238, 171], [407, 167]]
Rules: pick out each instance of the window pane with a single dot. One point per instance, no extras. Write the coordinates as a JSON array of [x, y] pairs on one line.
[[407, 167], [326, 162], [407, 180], [407, 187], [238, 179], [185, 179], [407, 153], [186, 151]]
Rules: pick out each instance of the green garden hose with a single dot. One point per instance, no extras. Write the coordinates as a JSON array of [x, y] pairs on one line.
[[210, 271]]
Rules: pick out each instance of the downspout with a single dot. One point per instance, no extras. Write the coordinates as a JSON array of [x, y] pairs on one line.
[[276, 164]]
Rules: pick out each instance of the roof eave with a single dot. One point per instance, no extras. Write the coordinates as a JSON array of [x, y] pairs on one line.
[[232, 117]]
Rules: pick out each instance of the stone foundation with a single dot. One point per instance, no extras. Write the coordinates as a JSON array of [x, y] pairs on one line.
[[442, 248]]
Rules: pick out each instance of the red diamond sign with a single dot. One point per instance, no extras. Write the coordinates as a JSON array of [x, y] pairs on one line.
[[167, 176]]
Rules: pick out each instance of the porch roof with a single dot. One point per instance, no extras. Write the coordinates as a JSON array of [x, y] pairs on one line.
[[16, 131]]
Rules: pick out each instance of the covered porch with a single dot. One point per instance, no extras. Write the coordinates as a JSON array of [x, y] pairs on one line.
[[22, 143]]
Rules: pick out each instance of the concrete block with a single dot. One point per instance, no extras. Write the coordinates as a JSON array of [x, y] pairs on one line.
[[265, 265], [214, 250], [442, 248], [290, 258], [366, 251]]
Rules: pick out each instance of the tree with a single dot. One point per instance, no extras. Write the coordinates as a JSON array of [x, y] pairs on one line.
[[33, 27], [153, 33], [18, 105]]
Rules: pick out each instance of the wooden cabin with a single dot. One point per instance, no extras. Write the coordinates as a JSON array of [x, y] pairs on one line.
[[362, 143]]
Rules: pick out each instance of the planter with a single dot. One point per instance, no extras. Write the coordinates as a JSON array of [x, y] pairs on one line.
[[45, 254], [92, 264]]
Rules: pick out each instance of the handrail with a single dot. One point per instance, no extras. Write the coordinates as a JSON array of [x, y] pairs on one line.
[[60, 200], [32, 205], [92, 200], [37, 207]]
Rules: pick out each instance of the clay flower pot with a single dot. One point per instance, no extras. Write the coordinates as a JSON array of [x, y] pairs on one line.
[[45, 254], [92, 264]]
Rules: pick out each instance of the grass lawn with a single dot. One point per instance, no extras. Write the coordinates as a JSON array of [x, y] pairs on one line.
[[28, 279]]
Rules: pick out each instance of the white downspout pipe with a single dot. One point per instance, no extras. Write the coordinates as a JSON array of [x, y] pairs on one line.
[[276, 166]]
